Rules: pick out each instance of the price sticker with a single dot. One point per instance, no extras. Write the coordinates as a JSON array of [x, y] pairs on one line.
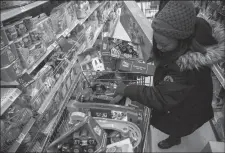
[[14, 95], [23, 9], [66, 32], [21, 138], [54, 44]]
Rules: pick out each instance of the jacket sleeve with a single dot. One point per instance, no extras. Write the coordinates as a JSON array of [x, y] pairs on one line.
[[161, 97]]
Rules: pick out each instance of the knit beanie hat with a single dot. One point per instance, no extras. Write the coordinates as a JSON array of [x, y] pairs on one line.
[[176, 20]]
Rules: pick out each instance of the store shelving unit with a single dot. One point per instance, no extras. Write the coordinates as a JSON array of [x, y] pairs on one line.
[[53, 123], [12, 94], [10, 13]]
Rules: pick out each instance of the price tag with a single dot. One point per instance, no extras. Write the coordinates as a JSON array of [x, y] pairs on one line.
[[21, 138], [25, 80], [66, 32], [23, 9], [54, 44], [14, 95]]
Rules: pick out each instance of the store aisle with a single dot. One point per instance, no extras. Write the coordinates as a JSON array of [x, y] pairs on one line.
[[192, 143]]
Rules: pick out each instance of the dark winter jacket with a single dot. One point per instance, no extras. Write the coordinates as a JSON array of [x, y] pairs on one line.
[[182, 93]]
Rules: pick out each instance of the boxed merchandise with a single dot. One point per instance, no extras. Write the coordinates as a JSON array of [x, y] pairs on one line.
[[34, 35], [121, 146], [58, 19], [19, 43], [70, 10], [121, 49], [46, 32], [136, 66], [29, 56], [27, 41], [11, 72], [20, 28], [77, 32], [8, 55], [82, 9], [3, 38], [29, 22], [89, 35], [93, 3], [137, 27], [11, 32]]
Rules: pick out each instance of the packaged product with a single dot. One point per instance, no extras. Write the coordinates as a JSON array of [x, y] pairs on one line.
[[11, 32], [100, 15], [17, 115], [136, 66], [89, 35], [93, 3], [4, 40], [12, 71], [70, 10], [7, 56], [20, 28], [27, 40], [77, 32], [46, 32], [34, 35], [11, 135], [82, 9], [137, 28], [19, 43], [58, 19], [29, 56], [29, 22]]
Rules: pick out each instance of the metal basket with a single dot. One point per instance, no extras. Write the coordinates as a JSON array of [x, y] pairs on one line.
[[116, 77]]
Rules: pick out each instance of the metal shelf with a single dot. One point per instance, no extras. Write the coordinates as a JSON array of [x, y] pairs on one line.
[[64, 33], [52, 125], [10, 13]]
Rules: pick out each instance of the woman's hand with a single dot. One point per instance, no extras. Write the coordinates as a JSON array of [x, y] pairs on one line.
[[120, 89]]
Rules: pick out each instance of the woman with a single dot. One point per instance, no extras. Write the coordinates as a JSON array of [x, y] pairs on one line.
[[182, 93]]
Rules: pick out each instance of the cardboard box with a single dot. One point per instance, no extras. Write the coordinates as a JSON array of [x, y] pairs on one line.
[[121, 49], [136, 66], [137, 27]]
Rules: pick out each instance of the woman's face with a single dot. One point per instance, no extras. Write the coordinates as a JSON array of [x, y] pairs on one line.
[[165, 44]]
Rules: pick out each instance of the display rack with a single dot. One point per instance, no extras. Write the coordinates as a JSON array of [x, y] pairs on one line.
[[52, 125], [47, 102], [7, 100], [11, 94], [10, 13]]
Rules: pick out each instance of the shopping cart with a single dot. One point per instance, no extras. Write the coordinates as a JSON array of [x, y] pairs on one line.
[[89, 79], [109, 80]]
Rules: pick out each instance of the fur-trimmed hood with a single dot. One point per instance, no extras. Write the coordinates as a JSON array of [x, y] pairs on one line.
[[214, 54]]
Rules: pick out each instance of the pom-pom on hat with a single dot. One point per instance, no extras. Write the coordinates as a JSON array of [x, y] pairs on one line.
[[176, 20]]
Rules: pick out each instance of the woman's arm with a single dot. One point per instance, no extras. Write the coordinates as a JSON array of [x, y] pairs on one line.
[[161, 97]]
